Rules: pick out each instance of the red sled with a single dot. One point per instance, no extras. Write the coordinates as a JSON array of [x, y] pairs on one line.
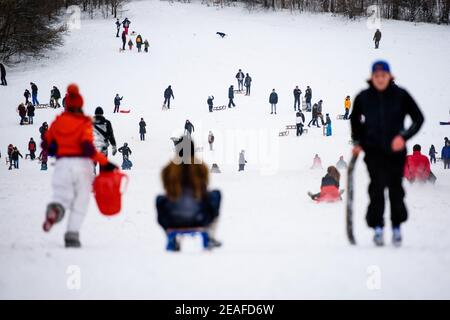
[[125, 111], [329, 194], [108, 191]]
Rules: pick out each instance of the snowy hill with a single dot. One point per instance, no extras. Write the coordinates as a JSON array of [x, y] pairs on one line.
[[277, 242]]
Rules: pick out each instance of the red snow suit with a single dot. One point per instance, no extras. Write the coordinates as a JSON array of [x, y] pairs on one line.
[[417, 167]]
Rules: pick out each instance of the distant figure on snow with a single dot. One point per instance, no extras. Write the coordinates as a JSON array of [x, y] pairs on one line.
[[417, 167], [445, 154], [341, 164], [55, 95], [103, 133], [27, 96], [30, 112], [242, 160], [126, 25], [130, 44], [188, 128], [126, 153], [22, 113], [168, 94], [118, 27], [240, 78], [273, 100], [32, 149], [247, 84], [139, 42], [3, 74], [215, 168], [317, 162], [432, 153], [300, 121], [347, 105], [117, 101], [146, 45], [231, 96], [210, 103], [34, 93], [124, 40], [308, 98], [377, 38], [142, 129], [297, 93]]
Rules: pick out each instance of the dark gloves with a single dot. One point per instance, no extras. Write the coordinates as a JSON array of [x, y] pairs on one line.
[[109, 167]]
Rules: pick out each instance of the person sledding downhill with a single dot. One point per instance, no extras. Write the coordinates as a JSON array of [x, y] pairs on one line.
[[417, 167], [70, 139], [329, 188], [377, 124]]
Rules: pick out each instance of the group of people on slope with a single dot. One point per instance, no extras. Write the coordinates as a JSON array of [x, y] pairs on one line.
[[139, 41]]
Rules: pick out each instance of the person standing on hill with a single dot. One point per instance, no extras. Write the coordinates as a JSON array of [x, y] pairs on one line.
[[3, 74], [142, 129], [273, 100], [117, 101], [168, 94], [103, 133], [445, 154], [27, 96], [32, 149], [315, 116], [297, 93], [231, 96], [377, 38], [210, 103], [22, 113], [247, 84], [240, 78], [242, 161], [124, 40], [377, 124], [347, 105], [308, 98], [139, 42], [432, 153], [70, 140], [55, 95], [126, 24], [146, 45], [30, 112], [34, 93], [300, 122], [188, 128]]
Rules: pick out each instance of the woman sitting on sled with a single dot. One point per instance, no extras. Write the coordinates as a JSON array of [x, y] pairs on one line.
[[329, 189], [187, 203]]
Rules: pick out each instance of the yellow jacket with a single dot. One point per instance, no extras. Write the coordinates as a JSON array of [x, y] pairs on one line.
[[347, 104]]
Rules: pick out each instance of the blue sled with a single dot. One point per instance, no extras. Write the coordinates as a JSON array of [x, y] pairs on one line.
[[172, 236]]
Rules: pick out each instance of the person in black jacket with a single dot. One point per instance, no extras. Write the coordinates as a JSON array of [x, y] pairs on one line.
[[308, 98], [15, 158], [273, 100], [126, 153], [188, 128], [124, 40], [27, 96], [142, 129], [210, 103], [30, 112], [118, 27], [43, 129], [240, 78], [377, 124], [247, 84], [231, 96], [3, 74], [297, 93], [377, 38], [55, 95], [103, 133], [168, 94], [34, 93]]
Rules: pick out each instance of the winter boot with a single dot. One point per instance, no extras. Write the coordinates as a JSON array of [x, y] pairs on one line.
[[213, 243], [396, 237], [378, 237], [72, 239], [54, 214]]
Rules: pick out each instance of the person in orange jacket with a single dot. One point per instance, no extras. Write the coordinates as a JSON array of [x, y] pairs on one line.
[[347, 105], [70, 139], [417, 166]]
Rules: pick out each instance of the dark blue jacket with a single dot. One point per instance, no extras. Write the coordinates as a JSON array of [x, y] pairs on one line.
[[273, 99], [231, 93], [117, 101], [445, 154], [168, 93]]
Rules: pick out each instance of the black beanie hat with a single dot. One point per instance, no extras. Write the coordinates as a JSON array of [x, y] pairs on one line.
[[98, 111]]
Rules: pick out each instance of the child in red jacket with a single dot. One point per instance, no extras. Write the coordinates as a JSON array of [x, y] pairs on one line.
[[70, 140], [417, 166]]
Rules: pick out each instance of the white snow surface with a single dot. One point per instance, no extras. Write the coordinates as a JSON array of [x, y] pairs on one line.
[[278, 244]]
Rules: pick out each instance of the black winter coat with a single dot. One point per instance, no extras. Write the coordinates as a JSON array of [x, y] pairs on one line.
[[2, 70], [34, 89], [273, 99], [329, 181], [297, 93], [308, 95], [168, 93], [378, 117], [142, 126], [231, 93], [30, 110]]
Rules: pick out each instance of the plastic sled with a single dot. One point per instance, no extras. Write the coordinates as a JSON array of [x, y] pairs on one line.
[[127, 164], [283, 133], [173, 233], [125, 111]]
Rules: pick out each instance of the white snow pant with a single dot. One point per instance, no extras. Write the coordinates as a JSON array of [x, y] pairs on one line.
[[72, 186]]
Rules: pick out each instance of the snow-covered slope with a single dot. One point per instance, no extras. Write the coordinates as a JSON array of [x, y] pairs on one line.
[[277, 242]]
